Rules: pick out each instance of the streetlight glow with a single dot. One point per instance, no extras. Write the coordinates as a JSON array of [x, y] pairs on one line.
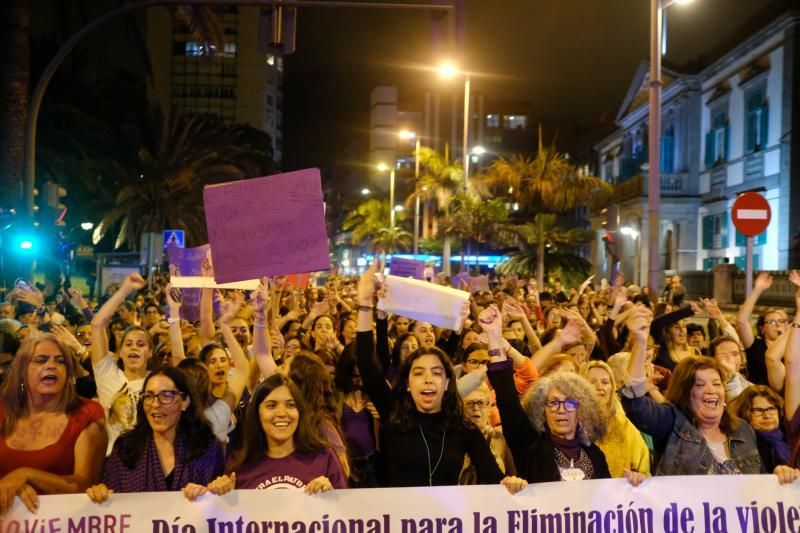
[[479, 150], [448, 70], [365, 191], [86, 226], [398, 208], [382, 167], [407, 135]]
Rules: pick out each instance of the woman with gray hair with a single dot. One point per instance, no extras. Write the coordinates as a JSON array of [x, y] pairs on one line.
[[552, 433]]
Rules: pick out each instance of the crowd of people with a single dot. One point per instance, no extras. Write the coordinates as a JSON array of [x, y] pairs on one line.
[[315, 388]]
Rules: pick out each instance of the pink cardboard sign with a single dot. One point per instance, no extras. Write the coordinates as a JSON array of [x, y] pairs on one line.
[[267, 226]]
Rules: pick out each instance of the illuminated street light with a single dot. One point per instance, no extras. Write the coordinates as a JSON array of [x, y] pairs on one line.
[[86, 226], [448, 70], [398, 208], [406, 135], [479, 150], [365, 191], [382, 167]]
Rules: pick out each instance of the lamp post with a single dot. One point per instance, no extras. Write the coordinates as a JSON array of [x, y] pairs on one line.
[[657, 8], [383, 167], [449, 70], [408, 135]]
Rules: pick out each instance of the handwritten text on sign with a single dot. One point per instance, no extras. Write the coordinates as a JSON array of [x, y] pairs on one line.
[[697, 504], [267, 226]]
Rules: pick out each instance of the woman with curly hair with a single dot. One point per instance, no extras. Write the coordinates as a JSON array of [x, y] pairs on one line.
[[171, 447], [623, 445], [424, 434], [552, 432]]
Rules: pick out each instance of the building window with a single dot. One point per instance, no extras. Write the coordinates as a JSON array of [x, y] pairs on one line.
[[229, 50], [193, 48], [756, 120], [758, 240], [514, 122], [668, 150], [717, 139], [709, 262], [608, 171], [741, 262], [715, 231], [492, 121]]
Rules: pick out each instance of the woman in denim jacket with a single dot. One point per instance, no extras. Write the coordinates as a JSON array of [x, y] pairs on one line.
[[693, 432]]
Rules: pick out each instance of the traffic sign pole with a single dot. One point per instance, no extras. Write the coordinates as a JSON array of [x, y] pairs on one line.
[[748, 273]]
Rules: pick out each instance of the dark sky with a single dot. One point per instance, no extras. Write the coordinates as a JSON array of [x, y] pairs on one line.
[[572, 60]]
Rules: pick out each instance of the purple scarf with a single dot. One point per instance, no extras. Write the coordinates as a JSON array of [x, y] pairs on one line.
[[778, 444]]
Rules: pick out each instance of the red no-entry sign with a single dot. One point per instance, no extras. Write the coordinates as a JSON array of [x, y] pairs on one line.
[[751, 214]]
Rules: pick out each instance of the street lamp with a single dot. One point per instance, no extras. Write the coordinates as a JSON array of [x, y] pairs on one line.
[[407, 136], [449, 70], [86, 226], [657, 8], [383, 167]]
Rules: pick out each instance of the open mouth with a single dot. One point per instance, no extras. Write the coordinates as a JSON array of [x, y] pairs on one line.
[[711, 402], [158, 416], [428, 394], [282, 424], [134, 357], [49, 379]]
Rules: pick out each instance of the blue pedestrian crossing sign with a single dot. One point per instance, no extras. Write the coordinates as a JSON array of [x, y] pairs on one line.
[[174, 237]]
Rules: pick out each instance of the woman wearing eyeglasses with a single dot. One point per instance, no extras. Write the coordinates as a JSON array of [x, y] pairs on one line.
[[171, 447], [477, 407], [552, 432], [762, 408]]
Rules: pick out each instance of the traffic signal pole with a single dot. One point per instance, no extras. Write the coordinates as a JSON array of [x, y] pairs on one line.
[[72, 42]]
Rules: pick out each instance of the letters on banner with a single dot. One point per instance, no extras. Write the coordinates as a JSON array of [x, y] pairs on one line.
[[696, 504]]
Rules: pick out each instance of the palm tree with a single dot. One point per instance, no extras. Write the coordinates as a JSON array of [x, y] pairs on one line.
[[389, 239], [438, 183], [547, 183], [177, 157], [474, 220], [544, 242], [367, 219]]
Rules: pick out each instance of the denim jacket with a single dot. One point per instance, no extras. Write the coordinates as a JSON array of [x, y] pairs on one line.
[[680, 448]]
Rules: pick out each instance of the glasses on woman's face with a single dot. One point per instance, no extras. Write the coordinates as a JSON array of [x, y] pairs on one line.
[[477, 362], [775, 322], [476, 404], [761, 411], [165, 397], [554, 406]]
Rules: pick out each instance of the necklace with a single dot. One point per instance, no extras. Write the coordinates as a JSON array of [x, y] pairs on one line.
[[431, 471]]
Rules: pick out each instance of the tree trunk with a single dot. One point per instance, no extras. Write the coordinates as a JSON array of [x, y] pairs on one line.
[[446, 256], [540, 262], [14, 89]]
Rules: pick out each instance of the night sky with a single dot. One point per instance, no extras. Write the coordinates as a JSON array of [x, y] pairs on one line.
[[573, 60]]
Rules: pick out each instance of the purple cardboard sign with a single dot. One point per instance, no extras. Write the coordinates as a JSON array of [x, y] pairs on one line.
[[462, 278], [188, 262], [267, 226], [407, 268], [479, 283]]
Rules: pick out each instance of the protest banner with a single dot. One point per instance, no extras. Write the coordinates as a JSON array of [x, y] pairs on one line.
[[267, 226], [420, 300], [684, 504], [407, 268]]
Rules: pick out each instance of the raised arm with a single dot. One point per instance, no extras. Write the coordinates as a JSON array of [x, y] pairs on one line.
[[77, 301], [516, 312], [103, 317], [570, 334], [174, 320], [792, 359], [262, 350], [762, 283], [241, 366], [368, 365]]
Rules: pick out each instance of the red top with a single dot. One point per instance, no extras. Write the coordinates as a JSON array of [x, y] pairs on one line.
[[59, 457]]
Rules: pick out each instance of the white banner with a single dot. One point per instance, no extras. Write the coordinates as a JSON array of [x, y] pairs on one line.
[[698, 504], [207, 282]]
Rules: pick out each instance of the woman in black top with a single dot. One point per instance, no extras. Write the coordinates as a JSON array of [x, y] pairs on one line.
[[424, 434]]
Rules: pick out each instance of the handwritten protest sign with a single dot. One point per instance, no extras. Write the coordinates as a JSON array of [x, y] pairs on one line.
[[438, 305], [267, 226], [188, 262], [670, 504], [407, 268], [462, 278]]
